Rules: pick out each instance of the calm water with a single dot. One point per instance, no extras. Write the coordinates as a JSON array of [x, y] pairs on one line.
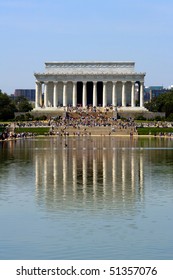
[[86, 198]]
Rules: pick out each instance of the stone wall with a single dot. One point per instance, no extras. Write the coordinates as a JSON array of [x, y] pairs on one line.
[[148, 115]]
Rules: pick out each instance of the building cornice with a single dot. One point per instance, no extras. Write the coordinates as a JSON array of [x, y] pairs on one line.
[[88, 62], [89, 77]]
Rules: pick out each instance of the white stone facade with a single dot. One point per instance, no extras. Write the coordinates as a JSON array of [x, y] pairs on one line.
[[89, 84]]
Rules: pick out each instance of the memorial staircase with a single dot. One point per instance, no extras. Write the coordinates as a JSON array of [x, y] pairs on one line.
[[105, 125]]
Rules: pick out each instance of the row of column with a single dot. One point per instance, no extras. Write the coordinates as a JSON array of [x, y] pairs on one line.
[[38, 98]]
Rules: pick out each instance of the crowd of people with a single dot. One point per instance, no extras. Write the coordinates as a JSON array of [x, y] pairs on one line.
[[12, 135], [81, 120]]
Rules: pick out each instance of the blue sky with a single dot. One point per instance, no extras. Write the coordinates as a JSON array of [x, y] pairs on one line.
[[35, 31]]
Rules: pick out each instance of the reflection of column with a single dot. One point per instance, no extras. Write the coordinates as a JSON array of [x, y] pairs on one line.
[[141, 94], [113, 173], [95, 94], [46, 94], [74, 174], [84, 95], [55, 169], [64, 167], [36, 172], [133, 172], [114, 94], [123, 94], [133, 95], [84, 174], [55, 95], [104, 173], [141, 174], [74, 103], [94, 175], [65, 94], [45, 172], [123, 174], [104, 95]]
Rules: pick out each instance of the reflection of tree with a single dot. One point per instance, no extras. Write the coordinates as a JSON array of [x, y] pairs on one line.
[[7, 153], [15, 162], [160, 158]]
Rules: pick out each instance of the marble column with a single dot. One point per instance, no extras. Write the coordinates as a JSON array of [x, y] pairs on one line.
[[95, 94], [114, 94], [46, 94], [37, 94], [55, 95], [141, 94], [41, 101], [104, 94], [74, 101], [123, 94], [84, 95], [133, 95], [64, 94]]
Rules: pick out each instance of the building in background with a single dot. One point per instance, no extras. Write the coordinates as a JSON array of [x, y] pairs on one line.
[[28, 93], [153, 91]]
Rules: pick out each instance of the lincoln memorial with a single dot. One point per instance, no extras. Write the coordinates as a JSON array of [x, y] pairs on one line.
[[85, 84]]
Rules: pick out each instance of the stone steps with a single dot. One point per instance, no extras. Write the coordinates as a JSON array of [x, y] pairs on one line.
[[92, 131]]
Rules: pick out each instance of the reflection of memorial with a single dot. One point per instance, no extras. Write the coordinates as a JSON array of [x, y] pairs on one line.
[[89, 171]]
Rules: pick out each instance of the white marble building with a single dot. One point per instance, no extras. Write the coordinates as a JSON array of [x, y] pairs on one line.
[[89, 84]]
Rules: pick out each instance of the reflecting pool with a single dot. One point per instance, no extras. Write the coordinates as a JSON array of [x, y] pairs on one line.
[[86, 198]]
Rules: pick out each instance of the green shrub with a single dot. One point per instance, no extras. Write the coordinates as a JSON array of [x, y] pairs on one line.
[[141, 118]]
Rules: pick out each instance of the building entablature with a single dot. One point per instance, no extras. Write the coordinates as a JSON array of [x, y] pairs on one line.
[[136, 77]]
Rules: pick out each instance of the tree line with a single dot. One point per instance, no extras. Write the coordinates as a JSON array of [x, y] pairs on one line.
[[8, 106], [162, 103]]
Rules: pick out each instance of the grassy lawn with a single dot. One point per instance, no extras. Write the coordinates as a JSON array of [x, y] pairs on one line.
[[141, 131], [45, 130], [154, 130], [36, 130]]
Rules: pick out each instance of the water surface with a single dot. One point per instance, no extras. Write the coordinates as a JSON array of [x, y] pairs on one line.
[[86, 198]]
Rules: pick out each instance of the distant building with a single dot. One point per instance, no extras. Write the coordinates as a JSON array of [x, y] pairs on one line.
[[28, 93], [153, 91]]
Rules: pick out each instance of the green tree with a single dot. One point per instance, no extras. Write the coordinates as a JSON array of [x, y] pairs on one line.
[[162, 103], [7, 107], [23, 104]]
